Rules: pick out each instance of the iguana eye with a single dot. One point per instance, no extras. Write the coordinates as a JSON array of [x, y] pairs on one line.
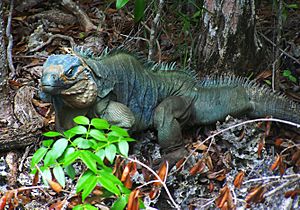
[[70, 72]]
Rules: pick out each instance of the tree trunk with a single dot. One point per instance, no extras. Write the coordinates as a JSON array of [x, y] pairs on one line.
[[227, 40], [14, 133]]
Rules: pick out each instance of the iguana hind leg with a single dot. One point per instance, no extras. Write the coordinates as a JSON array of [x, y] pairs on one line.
[[169, 117]]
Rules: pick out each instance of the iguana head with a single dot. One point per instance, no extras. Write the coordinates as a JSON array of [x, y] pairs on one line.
[[66, 75]]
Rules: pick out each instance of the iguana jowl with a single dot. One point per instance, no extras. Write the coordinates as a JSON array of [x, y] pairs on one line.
[[129, 94]]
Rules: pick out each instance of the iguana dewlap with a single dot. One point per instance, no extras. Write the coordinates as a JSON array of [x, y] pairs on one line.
[[130, 94]]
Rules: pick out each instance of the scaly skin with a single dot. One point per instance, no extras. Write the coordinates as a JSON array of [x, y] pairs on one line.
[[128, 94]]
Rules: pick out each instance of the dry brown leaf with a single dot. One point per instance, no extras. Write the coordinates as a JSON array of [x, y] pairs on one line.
[[256, 194], [219, 175], [197, 168], [55, 186], [292, 193], [126, 171], [277, 163], [200, 146], [278, 142], [35, 178], [239, 179], [3, 202], [180, 162], [128, 182], [224, 200], [57, 206], [162, 173], [209, 162], [211, 187], [133, 200], [261, 146]]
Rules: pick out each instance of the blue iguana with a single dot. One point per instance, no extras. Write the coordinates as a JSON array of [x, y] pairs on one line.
[[130, 94]]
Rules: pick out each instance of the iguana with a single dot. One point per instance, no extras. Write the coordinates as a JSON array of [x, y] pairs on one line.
[[130, 94]]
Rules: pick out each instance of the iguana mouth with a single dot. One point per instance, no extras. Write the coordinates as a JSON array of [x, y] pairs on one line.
[[51, 89], [77, 88], [82, 94]]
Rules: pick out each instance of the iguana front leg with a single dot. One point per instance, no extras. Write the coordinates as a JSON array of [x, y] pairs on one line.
[[116, 114], [169, 117]]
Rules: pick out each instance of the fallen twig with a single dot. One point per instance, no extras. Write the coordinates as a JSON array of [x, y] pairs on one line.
[[83, 18], [70, 39], [272, 177], [153, 31], [289, 182], [10, 41], [281, 50]]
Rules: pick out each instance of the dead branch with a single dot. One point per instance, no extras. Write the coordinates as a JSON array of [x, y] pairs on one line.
[[10, 40], [83, 18], [153, 31], [70, 39]]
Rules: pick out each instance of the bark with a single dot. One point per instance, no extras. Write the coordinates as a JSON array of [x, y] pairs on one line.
[[227, 40], [15, 133]]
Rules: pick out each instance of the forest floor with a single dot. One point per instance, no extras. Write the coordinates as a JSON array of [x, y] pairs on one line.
[[253, 165]]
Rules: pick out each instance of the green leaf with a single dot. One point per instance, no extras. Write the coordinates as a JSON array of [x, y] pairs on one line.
[[113, 136], [69, 134], [107, 174], [82, 143], [100, 123], [100, 154], [78, 207], [292, 6], [110, 186], [82, 180], [110, 152], [38, 156], [98, 135], [50, 158], [128, 139], [47, 143], [59, 147], [89, 185], [123, 148], [93, 144], [121, 3], [287, 73], [85, 206], [293, 79], [120, 203], [46, 175], [79, 129], [52, 134], [87, 158], [82, 120], [70, 170], [69, 151], [59, 175], [139, 8], [69, 159], [119, 131]]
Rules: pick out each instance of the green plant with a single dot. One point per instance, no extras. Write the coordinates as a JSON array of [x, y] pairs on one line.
[[139, 8], [288, 74], [89, 142]]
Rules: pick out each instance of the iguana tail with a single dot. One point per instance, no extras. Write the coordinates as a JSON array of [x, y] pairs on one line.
[[265, 102]]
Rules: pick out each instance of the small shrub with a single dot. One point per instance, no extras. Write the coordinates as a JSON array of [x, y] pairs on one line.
[[90, 142]]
